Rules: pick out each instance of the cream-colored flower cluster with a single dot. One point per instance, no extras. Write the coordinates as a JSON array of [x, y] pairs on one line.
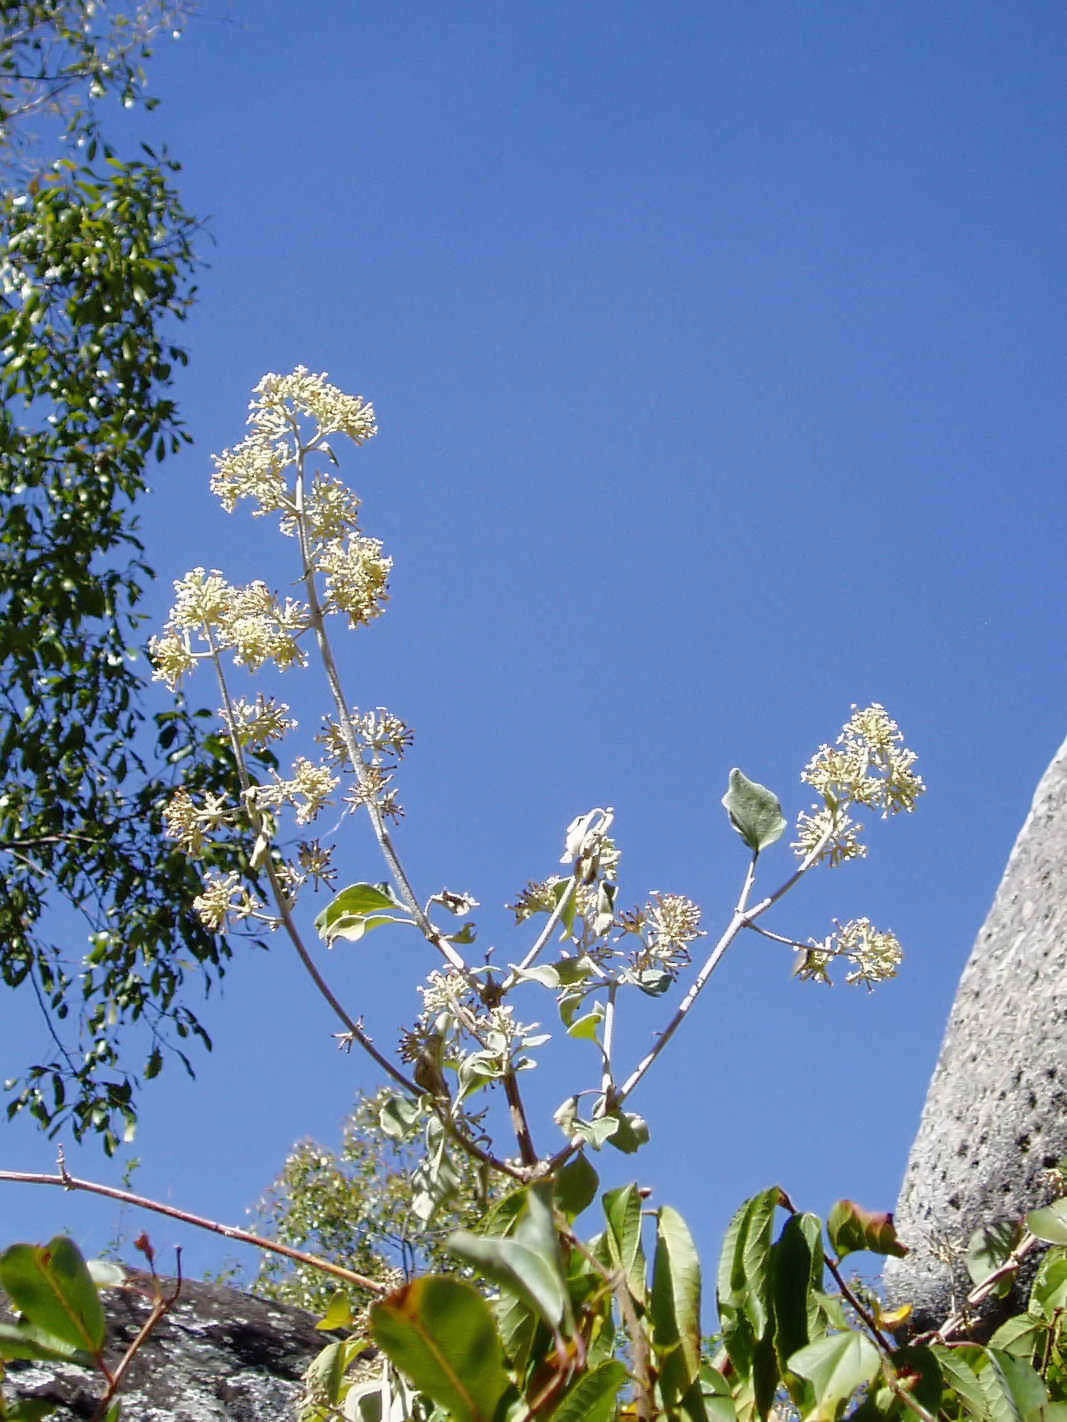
[[673, 921], [869, 766], [280, 399], [224, 899], [379, 733], [189, 823], [875, 956], [256, 468], [248, 621], [307, 790], [257, 723], [357, 577]]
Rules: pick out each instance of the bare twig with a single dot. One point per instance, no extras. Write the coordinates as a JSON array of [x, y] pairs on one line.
[[243, 1236]]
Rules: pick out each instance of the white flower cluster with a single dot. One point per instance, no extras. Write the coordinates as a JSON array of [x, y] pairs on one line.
[[868, 766], [248, 621], [875, 956]]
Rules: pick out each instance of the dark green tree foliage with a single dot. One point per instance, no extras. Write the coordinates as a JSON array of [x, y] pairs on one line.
[[98, 266]]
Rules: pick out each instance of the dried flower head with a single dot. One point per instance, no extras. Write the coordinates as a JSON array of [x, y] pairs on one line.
[[539, 896]]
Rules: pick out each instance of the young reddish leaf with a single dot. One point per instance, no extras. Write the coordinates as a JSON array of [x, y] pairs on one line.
[[851, 1228]]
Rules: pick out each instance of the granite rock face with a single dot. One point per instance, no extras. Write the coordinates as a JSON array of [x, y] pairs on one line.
[[995, 1118], [219, 1354]]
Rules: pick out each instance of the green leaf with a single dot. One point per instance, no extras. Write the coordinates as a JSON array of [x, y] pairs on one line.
[[588, 1026], [744, 1264], [51, 1286], [1050, 1223], [1049, 1292], [836, 1367], [796, 1270], [592, 1397], [675, 1304], [631, 1134], [356, 910], [989, 1247], [576, 1186], [851, 1228], [525, 1263], [439, 1332], [22, 1340], [755, 812], [338, 1313], [622, 1208], [1020, 1335], [1011, 1388], [958, 1373]]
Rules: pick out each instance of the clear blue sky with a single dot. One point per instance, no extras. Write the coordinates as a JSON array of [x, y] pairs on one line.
[[718, 354]]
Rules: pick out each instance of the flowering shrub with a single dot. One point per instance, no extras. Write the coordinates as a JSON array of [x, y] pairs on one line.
[[561, 1325]]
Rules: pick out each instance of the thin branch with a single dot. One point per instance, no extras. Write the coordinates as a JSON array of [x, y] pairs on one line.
[[962, 1317], [542, 938], [352, 1028], [160, 1308], [742, 917], [344, 720], [243, 1236]]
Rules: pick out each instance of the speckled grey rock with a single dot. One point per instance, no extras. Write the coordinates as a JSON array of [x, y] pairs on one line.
[[995, 1117], [219, 1354]]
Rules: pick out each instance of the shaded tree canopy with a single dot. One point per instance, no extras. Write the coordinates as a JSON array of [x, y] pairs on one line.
[[97, 269]]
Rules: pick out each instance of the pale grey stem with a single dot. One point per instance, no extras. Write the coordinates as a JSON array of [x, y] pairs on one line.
[[352, 1028], [607, 1078], [542, 938], [348, 735], [742, 917]]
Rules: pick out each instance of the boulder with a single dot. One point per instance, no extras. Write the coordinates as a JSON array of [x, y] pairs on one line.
[[995, 1119], [218, 1354]]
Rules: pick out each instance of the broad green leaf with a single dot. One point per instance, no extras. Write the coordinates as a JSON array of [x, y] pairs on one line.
[[958, 1372], [588, 1026], [796, 1270], [518, 1268], [1011, 1388], [22, 1340], [989, 1247], [622, 1208], [356, 910], [744, 1265], [325, 1373], [1049, 1292], [592, 1397], [836, 1367], [1020, 1335], [851, 1228], [576, 1186], [1049, 1224], [32, 1409], [717, 1397], [675, 1304], [755, 812], [50, 1285], [439, 1332], [919, 1371]]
